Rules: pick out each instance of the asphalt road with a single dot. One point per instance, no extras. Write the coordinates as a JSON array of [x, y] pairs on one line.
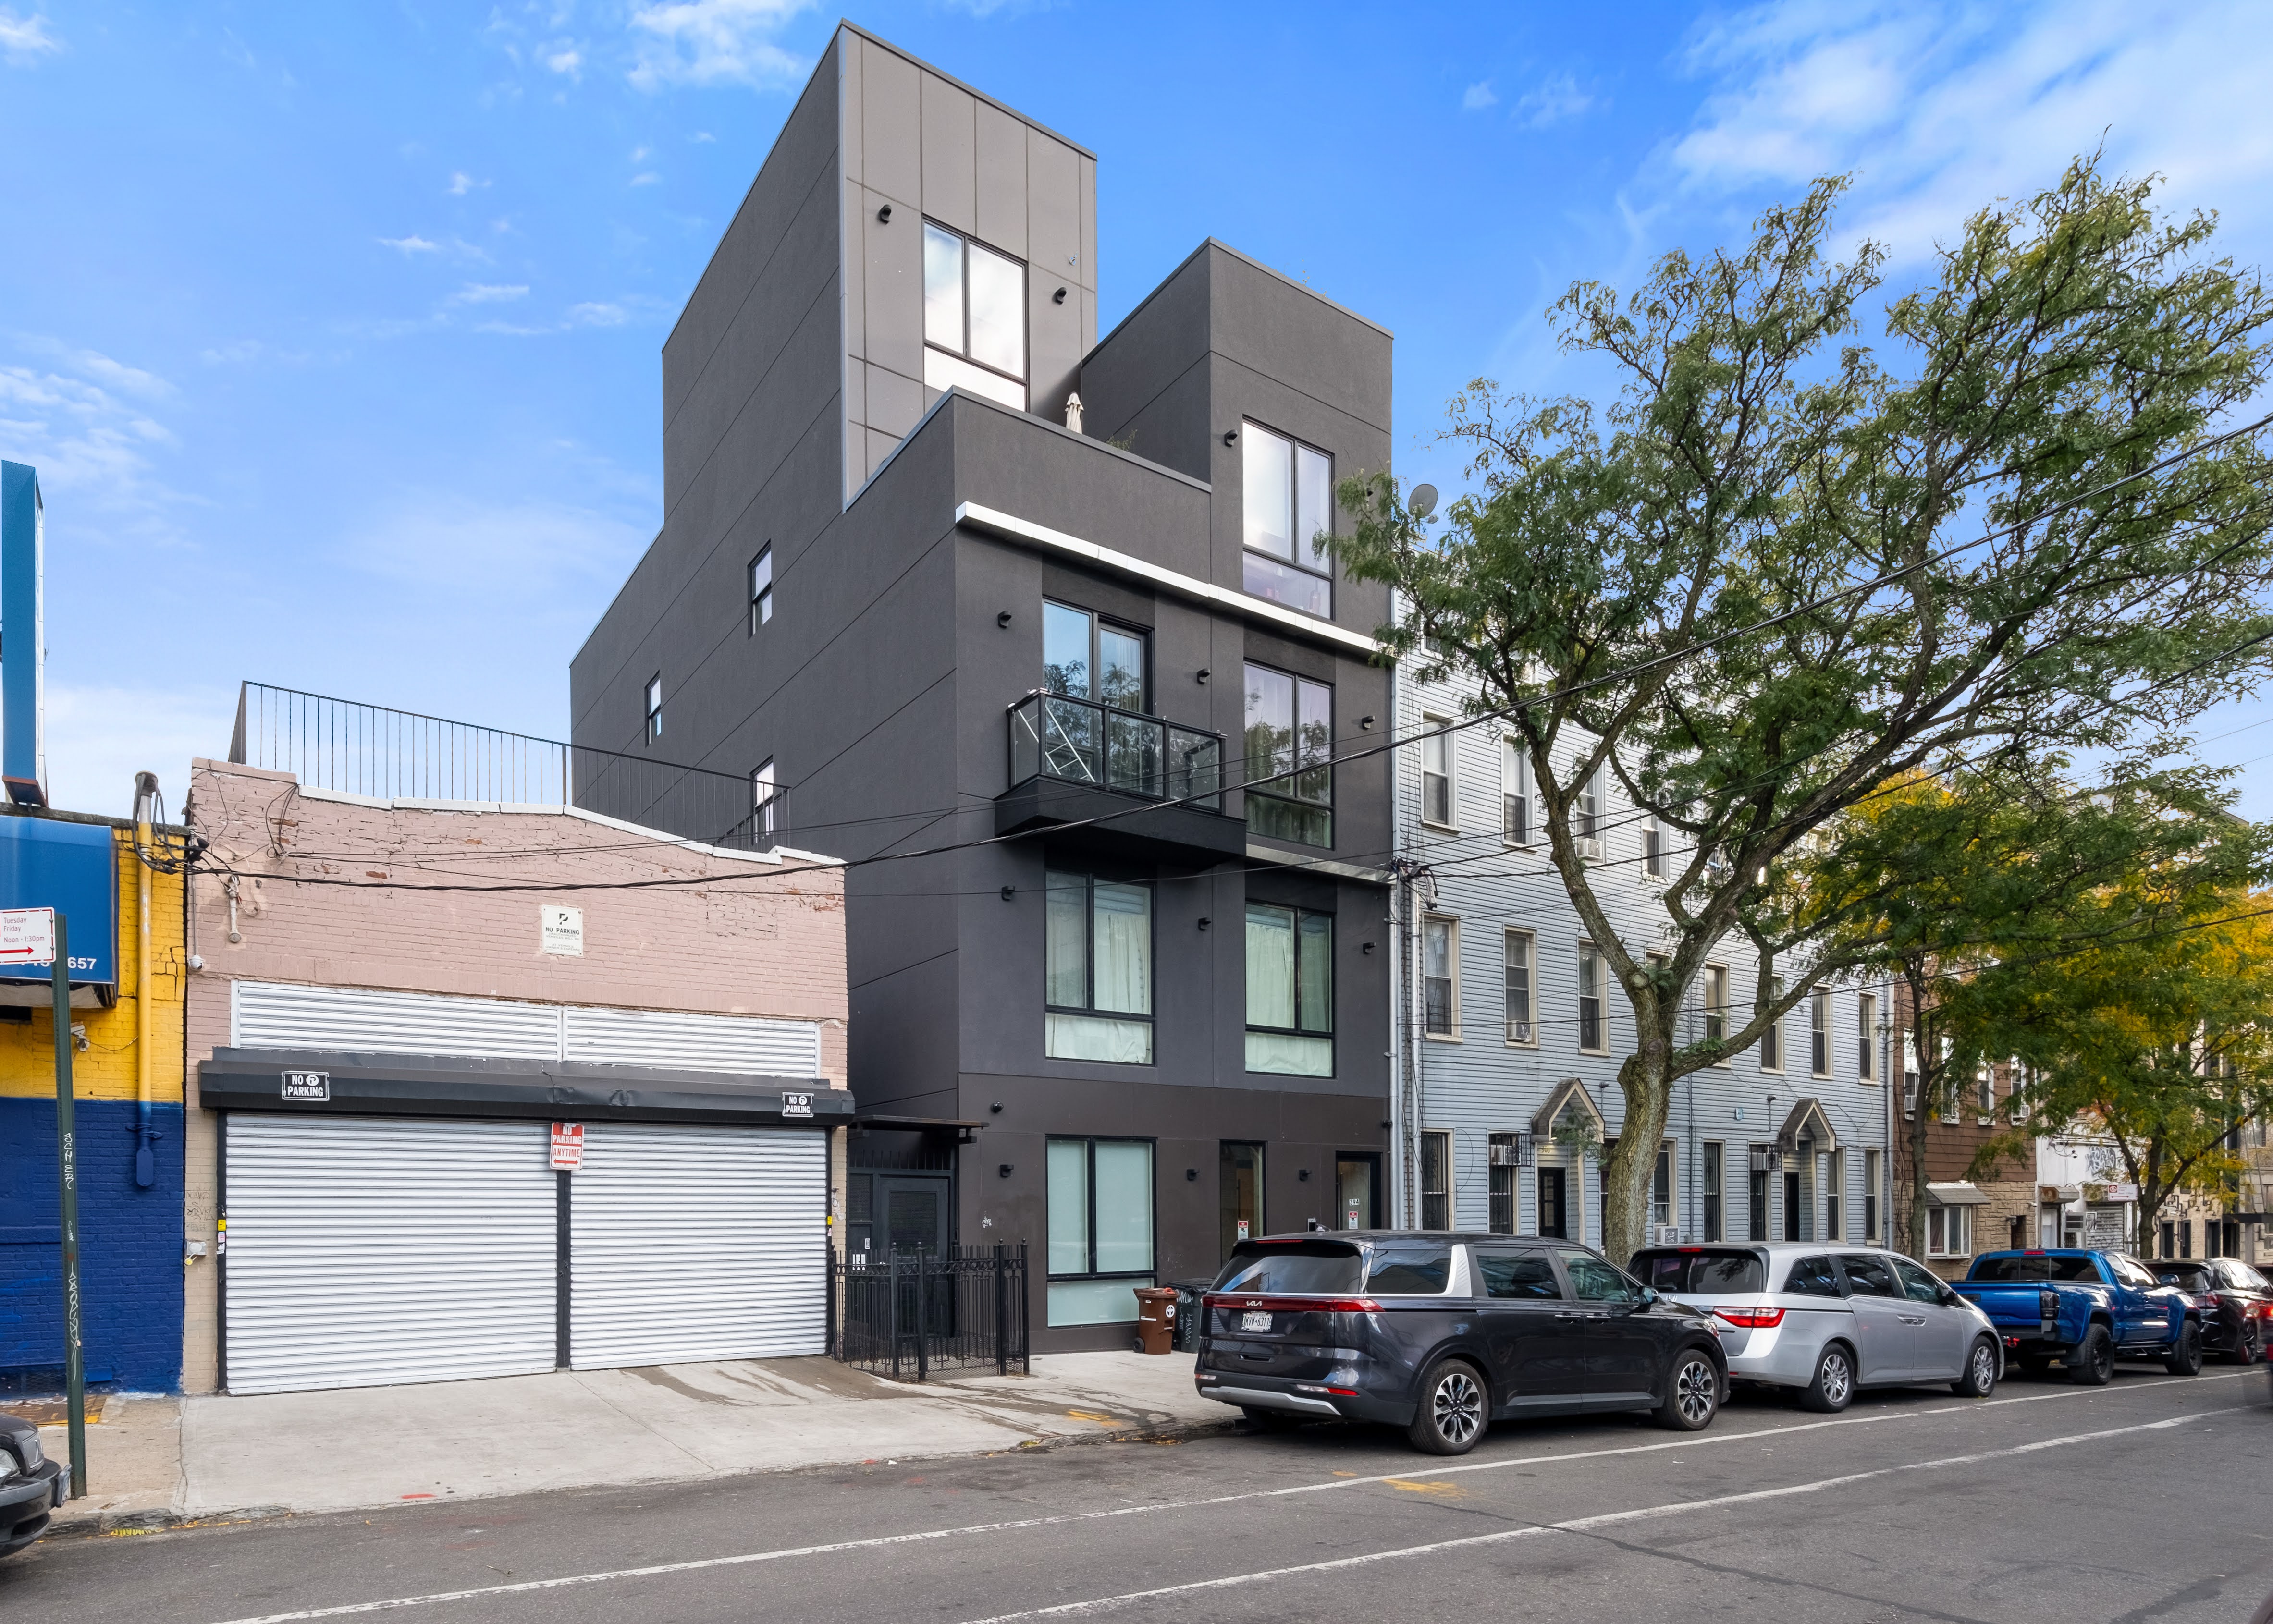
[[2143, 1500]]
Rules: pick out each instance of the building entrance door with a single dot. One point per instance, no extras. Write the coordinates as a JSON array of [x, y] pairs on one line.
[[1239, 1176], [1355, 1178], [1553, 1189]]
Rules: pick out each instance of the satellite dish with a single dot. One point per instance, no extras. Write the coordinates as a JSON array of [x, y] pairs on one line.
[[1422, 502]]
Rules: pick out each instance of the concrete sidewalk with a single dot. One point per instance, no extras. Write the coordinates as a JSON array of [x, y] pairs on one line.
[[162, 1460]]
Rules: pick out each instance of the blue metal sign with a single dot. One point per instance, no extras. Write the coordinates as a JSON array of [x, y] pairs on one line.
[[71, 868]]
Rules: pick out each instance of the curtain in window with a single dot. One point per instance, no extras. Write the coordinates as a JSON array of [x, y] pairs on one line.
[[1066, 947], [1069, 1200], [1124, 1208], [1269, 966], [1123, 916]]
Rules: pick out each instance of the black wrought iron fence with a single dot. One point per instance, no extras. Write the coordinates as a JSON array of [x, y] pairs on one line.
[[911, 1315], [360, 749]]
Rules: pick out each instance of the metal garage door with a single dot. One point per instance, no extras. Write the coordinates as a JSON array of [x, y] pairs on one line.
[[365, 1251], [697, 1243]]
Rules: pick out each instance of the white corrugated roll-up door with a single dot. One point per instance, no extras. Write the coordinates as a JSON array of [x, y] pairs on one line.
[[274, 1015], [367, 1251], [664, 1037], [697, 1243]]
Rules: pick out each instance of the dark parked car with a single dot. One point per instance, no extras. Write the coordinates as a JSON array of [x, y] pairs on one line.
[[30, 1487], [2235, 1300], [1442, 1334]]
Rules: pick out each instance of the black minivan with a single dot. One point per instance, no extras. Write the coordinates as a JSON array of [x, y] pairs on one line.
[[1443, 1334]]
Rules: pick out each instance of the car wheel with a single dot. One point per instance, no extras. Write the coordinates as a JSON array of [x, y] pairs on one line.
[[2249, 1346], [1693, 1393], [1453, 1412], [1833, 1386], [2186, 1354], [1980, 1377], [1270, 1420], [2091, 1363]]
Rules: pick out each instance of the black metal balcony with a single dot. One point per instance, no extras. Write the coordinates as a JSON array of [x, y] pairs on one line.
[[1077, 762]]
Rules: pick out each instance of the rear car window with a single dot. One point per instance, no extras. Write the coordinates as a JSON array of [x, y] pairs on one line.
[[1294, 1269], [1673, 1272], [2021, 1266], [1410, 1271], [1517, 1274], [2242, 1277], [1812, 1276], [2186, 1276]]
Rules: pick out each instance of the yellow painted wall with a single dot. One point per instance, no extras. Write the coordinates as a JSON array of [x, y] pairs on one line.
[[105, 1069]]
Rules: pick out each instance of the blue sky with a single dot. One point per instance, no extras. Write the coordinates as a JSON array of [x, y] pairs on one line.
[[333, 329]]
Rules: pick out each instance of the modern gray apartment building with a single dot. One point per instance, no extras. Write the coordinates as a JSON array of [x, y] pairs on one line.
[[1025, 625]]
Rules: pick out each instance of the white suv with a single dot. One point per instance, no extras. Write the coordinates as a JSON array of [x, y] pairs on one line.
[[1828, 1319]]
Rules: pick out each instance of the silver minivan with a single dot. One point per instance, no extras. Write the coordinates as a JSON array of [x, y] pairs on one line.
[[1827, 1319]]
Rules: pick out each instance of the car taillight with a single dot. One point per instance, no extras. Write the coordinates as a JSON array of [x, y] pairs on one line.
[[1752, 1318], [1236, 1300], [2048, 1304]]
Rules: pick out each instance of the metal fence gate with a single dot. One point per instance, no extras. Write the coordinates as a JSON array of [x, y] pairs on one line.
[[912, 1315]]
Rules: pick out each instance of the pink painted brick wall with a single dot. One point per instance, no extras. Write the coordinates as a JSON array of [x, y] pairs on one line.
[[768, 938]]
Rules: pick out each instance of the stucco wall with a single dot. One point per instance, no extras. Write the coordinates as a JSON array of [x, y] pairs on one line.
[[314, 906]]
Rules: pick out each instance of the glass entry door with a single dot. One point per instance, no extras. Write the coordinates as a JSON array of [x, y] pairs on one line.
[[1354, 1181], [1240, 1186]]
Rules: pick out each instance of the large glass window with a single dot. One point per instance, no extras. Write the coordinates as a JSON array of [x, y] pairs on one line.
[[1091, 658], [974, 318], [1288, 502], [1097, 953], [1290, 751], [1100, 1217], [1440, 958], [653, 702], [1290, 991], [764, 793]]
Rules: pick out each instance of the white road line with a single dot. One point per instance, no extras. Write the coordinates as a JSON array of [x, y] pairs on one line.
[[1103, 1604], [882, 1541]]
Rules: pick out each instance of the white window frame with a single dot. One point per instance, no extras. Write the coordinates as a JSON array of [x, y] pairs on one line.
[[1516, 826], [1818, 1032], [1529, 1038], [1592, 812], [1653, 849], [1771, 1039], [1453, 964], [1671, 1150], [1434, 737], [1949, 1231], [1588, 954], [765, 797], [1715, 980], [1866, 1020]]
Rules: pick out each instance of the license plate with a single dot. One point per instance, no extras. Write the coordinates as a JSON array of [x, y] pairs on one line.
[[1254, 1320]]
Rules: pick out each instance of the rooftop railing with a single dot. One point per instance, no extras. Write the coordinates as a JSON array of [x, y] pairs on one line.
[[390, 755]]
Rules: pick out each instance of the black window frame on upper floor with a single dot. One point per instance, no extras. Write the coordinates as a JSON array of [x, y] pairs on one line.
[[652, 709], [762, 588], [1312, 932], [1307, 759], [1262, 571]]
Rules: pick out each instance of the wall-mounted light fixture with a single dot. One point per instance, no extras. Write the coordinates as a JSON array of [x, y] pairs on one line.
[[1304, 1175], [1003, 1172], [1192, 1175], [1368, 948], [1203, 674], [1204, 922], [1058, 297], [884, 215], [1002, 619], [1231, 437], [1009, 892], [1365, 722], [995, 1109]]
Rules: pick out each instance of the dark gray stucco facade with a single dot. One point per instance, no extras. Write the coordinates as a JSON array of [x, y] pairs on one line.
[[910, 563]]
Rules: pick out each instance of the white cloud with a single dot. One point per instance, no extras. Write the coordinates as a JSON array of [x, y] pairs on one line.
[[23, 39], [98, 738], [1942, 112], [701, 135], [565, 59], [648, 177], [487, 293], [715, 43], [598, 315], [410, 244], [1478, 96], [461, 183], [491, 552], [97, 450], [1558, 99]]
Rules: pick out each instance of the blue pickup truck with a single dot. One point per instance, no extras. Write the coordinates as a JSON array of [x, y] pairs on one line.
[[2087, 1309]]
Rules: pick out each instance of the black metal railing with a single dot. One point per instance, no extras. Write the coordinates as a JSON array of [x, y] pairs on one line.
[[358, 749], [911, 1315], [1082, 742]]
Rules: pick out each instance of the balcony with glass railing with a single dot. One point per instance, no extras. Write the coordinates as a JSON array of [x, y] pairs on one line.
[[1074, 760]]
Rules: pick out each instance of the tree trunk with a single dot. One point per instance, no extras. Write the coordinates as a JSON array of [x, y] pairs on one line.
[[1922, 1109], [1633, 1163]]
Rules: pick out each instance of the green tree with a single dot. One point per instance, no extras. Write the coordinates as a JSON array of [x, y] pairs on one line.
[[1793, 569]]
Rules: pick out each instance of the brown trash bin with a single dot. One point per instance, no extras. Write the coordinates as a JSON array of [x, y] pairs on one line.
[[1156, 1319]]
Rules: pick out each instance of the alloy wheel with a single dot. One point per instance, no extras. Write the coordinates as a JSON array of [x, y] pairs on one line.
[[1838, 1378], [1696, 1391], [1985, 1367], [1458, 1405]]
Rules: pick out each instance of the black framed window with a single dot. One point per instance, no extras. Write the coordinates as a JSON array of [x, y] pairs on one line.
[[1711, 1171], [1435, 1180], [1290, 991], [1239, 1186], [1098, 969], [1290, 752], [1287, 500], [762, 588], [654, 707], [765, 797], [974, 316], [1086, 657], [1100, 1229]]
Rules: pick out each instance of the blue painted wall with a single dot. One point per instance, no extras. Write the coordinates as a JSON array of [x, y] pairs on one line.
[[130, 1245]]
